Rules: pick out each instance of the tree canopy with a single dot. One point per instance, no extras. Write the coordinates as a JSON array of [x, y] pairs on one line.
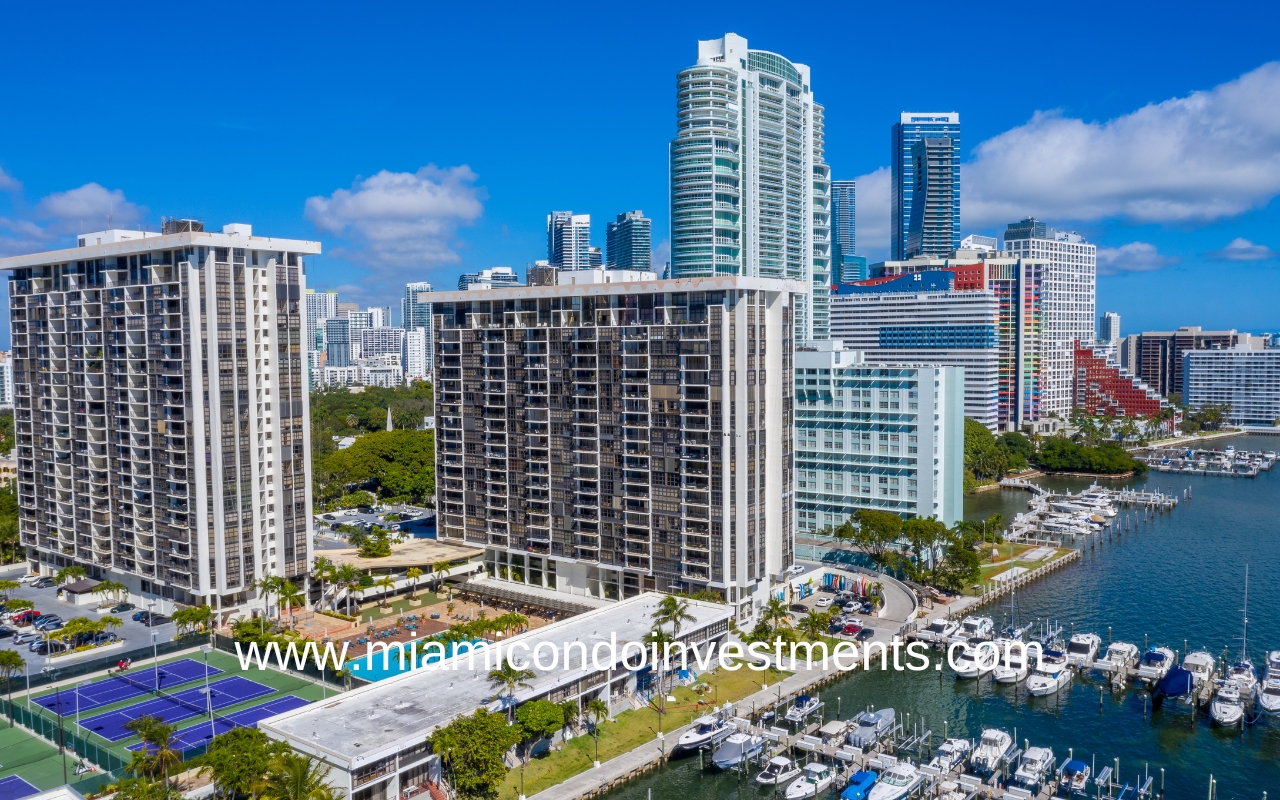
[[398, 463], [473, 749]]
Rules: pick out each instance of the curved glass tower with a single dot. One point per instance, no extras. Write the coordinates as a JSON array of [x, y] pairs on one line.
[[750, 189]]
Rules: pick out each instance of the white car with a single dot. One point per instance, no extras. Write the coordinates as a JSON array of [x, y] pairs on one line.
[[824, 602], [30, 578], [795, 569]]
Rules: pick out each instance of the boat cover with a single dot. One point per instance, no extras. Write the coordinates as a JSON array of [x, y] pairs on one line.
[[1074, 766], [1176, 683]]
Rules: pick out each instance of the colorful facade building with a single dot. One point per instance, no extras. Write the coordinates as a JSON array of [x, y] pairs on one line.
[[1103, 388]]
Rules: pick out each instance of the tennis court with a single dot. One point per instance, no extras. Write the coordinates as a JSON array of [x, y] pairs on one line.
[[124, 686], [13, 787], [176, 707], [200, 734]]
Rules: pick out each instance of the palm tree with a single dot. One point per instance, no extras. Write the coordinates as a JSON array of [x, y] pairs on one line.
[[658, 640], [290, 596], [158, 744], [572, 713], [109, 621], [11, 665], [386, 583], [9, 538], [674, 611], [322, 569], [268, 586], [413, 574], [7, 586], [440, 568], [295, 776], [510, 677], [775, 613], [348, 576], [69, 574], [598, 710], [813, 624]]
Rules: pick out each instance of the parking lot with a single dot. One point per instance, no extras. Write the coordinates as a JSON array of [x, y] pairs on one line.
[[329, 539], [134, 635]]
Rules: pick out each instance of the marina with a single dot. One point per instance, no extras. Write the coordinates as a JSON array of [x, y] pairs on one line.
[[1159, 588], [1228, 462]]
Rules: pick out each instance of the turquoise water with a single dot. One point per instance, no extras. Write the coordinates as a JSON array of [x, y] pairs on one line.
[[1179, 577], [378, 666]]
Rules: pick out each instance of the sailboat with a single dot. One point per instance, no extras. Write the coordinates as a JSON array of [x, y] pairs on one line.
[[1242, 672]]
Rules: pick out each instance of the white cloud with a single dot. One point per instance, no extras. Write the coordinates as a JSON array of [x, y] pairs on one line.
[[1243, 250], [872, 205], [87, 208], [659, 256], [1209, 155], [8, 183], [401, 219], [1132, 257]]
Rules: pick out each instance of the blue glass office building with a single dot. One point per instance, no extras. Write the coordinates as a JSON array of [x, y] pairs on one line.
[[911, 128]]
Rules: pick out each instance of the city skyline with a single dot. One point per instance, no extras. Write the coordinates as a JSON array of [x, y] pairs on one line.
[[1155, 237]]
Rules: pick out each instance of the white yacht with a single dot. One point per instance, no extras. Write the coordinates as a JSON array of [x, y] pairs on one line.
[[705, 731], [897, 782], [1119, 656], [938, 631], [992, 751], [1155, 664], [1034, 769], [1083, 649], [778, 771], [1245, 676], [1273, 665], [974, 661], [1050, 675], [1268, 696], [1200, 664], [972, 628], [951, 754], [802, 708], [1227, 708], [869, 727], [1013, 667], [736, 749], [813, 781]]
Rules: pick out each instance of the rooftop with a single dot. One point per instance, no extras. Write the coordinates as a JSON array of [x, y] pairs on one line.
[[413, 553], [377, 720], [707, 284]]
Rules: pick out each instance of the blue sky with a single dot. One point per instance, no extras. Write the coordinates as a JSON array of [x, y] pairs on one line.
[[420, 141]]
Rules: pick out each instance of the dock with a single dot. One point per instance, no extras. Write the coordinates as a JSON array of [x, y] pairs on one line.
[[1189, 461]]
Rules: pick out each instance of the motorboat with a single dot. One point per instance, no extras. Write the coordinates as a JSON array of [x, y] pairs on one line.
[[802, 708], [1073, 779], [1014, 665], [951, 753], [1177, 682], [1272, 669], [972, 628], [938, 631], [1200, 664], [977, 658], [813, 781], [859, 785], [705, 731], [1119, 656], [1050, 675], [736, 749], [1154, 664], [1034, 769], [1268, 696], [1082, 649], [897, 782], [992, 751], [870, 727], [778, 771], [1245, 676], [950, 790], [1227, 708]]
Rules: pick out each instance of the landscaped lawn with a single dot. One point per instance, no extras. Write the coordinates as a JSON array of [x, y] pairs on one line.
[[400, 605], [631, 729]]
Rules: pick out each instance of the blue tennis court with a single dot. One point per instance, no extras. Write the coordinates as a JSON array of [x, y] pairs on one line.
[[200, 734], [175, 708], [115, 689], [13, 787]]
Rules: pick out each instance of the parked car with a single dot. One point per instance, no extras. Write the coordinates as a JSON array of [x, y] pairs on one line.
[[31, 577], [23, 618], [6, 632], [43, 623], [40, 648], [105, 638], [137, 617], [794, 569], [156, 619], [851, 629], [823, 602], [864, 634], [123, 607], [25, 638], [44, 583]]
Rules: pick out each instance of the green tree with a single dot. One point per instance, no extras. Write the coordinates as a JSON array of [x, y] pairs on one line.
[[159, 752], [922, 535], [441, 569], [398, 463], [348, 576], [12, 665], [413, 574], [877, 531], [237, 761], [813, 624], [69, 574], [386, 583], [322, 569], [473, 750], [775, 614], [598, 710], [508, 678], [959, 568], [297, 776], [538, 719], [192, 619], [673, 611]]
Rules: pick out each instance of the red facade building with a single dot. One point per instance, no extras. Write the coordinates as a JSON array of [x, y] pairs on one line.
[[1103, 388]]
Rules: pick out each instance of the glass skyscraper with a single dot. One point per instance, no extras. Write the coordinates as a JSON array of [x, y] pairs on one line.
[[844, 229], [911, 128], [628, 241], [750, 191]]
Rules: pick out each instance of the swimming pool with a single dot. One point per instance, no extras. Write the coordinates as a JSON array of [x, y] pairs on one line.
[[398, 660]]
